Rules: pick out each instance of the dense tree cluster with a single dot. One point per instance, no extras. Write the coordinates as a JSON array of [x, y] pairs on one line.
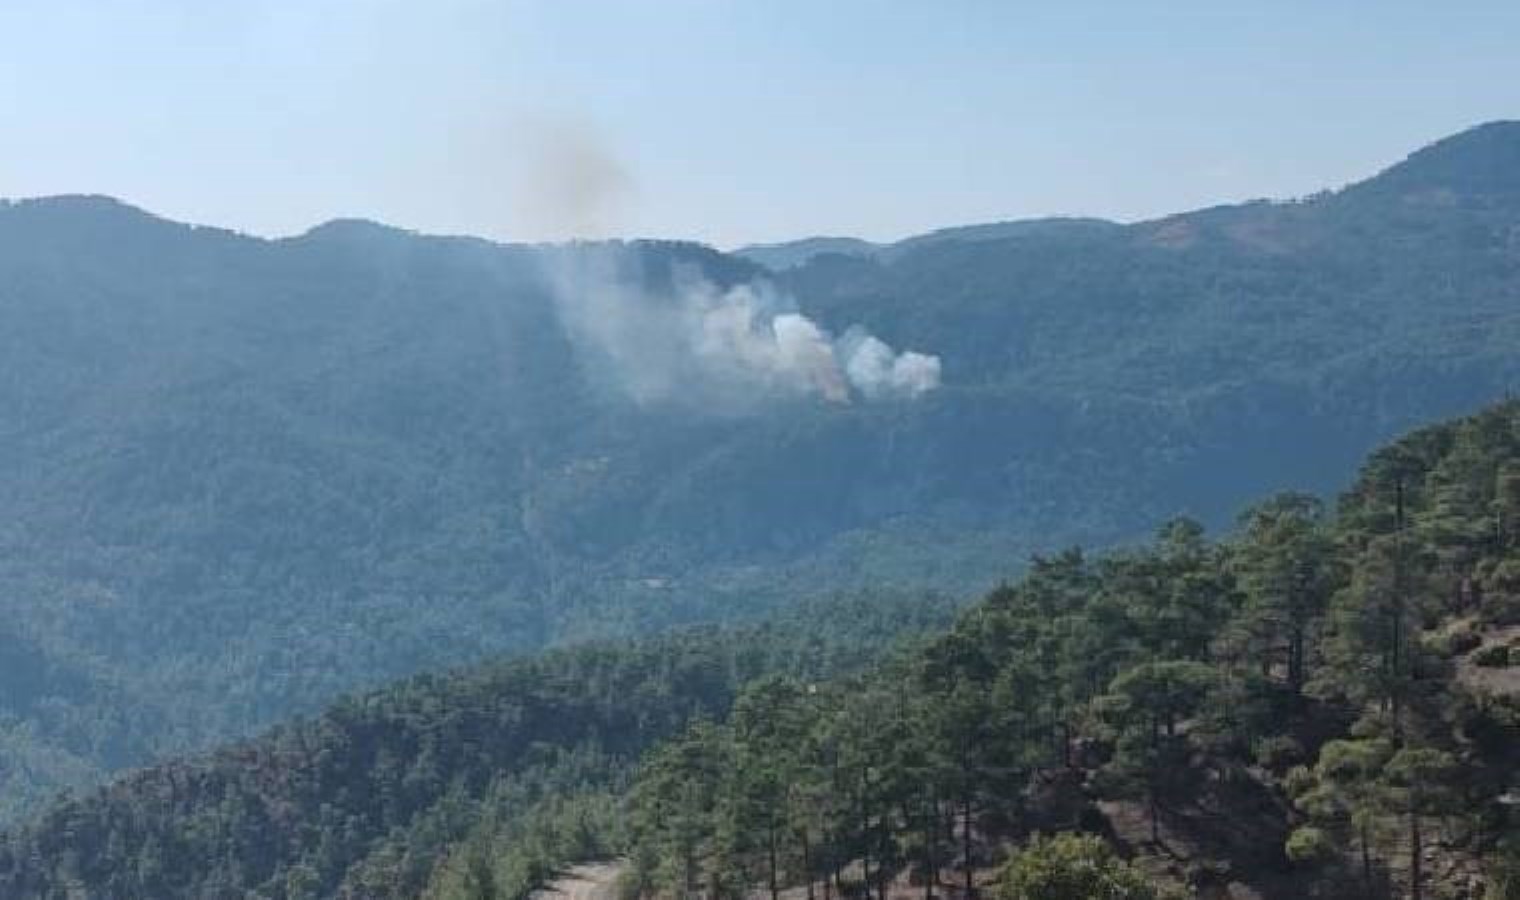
[[1072, 867], [362, 800], [1308, 659], [1298, 702]]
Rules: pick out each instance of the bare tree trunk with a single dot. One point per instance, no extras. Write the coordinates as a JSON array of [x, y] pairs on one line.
[[1398, 618], [1296, 660], [1416, 864], [775, 888], [931, 864], [865, 848], [1150, 799], [1366, 859], [966, 844], [807, 863]]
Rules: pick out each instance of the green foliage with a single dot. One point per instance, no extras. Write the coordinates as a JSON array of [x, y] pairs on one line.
[[1504, 871], [1310, 844], [513, 852], [1143, 708], [720, 760], [1496, 656], [1071, 867], [676, 811], [902, 767], [1345, 794], [1140, 655], [1279, 753], [519, 762], [1285, 568]]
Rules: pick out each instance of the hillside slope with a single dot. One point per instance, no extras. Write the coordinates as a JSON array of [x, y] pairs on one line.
[[1201, 705], [364, 798], [242, 476], [1296, 711]]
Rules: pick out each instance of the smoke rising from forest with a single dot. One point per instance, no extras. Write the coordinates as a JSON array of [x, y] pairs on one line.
[[693, 342], [688, 341]]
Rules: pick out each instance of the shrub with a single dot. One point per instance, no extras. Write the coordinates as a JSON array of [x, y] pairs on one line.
[[1309, 845], [1072, 867], [1279, 753], [1495, 657]]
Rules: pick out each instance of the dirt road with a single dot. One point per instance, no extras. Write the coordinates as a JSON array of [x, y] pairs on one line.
[[588, 881]]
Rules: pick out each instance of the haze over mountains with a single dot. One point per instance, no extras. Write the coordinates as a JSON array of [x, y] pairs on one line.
[[242, 476]]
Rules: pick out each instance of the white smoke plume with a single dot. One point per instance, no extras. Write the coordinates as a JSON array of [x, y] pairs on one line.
[[721, 349], [876, 370], [691, 342]]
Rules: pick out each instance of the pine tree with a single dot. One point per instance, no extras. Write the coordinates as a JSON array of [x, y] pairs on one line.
[[1285, 563], [1144, 707], [1343, 795]]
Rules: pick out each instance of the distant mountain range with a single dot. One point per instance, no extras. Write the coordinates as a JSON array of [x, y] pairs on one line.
[[790, 254], [242, 476]]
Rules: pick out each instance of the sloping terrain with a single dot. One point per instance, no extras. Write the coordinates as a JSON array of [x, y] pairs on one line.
[[243, 476], [1283, 713], [364, 799]]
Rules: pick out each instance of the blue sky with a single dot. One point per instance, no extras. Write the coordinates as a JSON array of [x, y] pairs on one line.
[[727, 121]]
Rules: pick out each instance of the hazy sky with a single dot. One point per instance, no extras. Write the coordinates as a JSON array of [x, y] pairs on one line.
[[723, 120]]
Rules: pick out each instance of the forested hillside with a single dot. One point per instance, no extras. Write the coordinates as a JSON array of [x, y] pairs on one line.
[[243, 476], [1323, 703], [364, 799]]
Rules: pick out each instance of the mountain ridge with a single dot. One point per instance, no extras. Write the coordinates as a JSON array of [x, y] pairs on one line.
[[1492, 148], [1483, 158]]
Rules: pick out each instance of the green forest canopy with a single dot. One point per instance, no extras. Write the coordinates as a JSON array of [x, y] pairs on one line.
[[1312, 706]]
